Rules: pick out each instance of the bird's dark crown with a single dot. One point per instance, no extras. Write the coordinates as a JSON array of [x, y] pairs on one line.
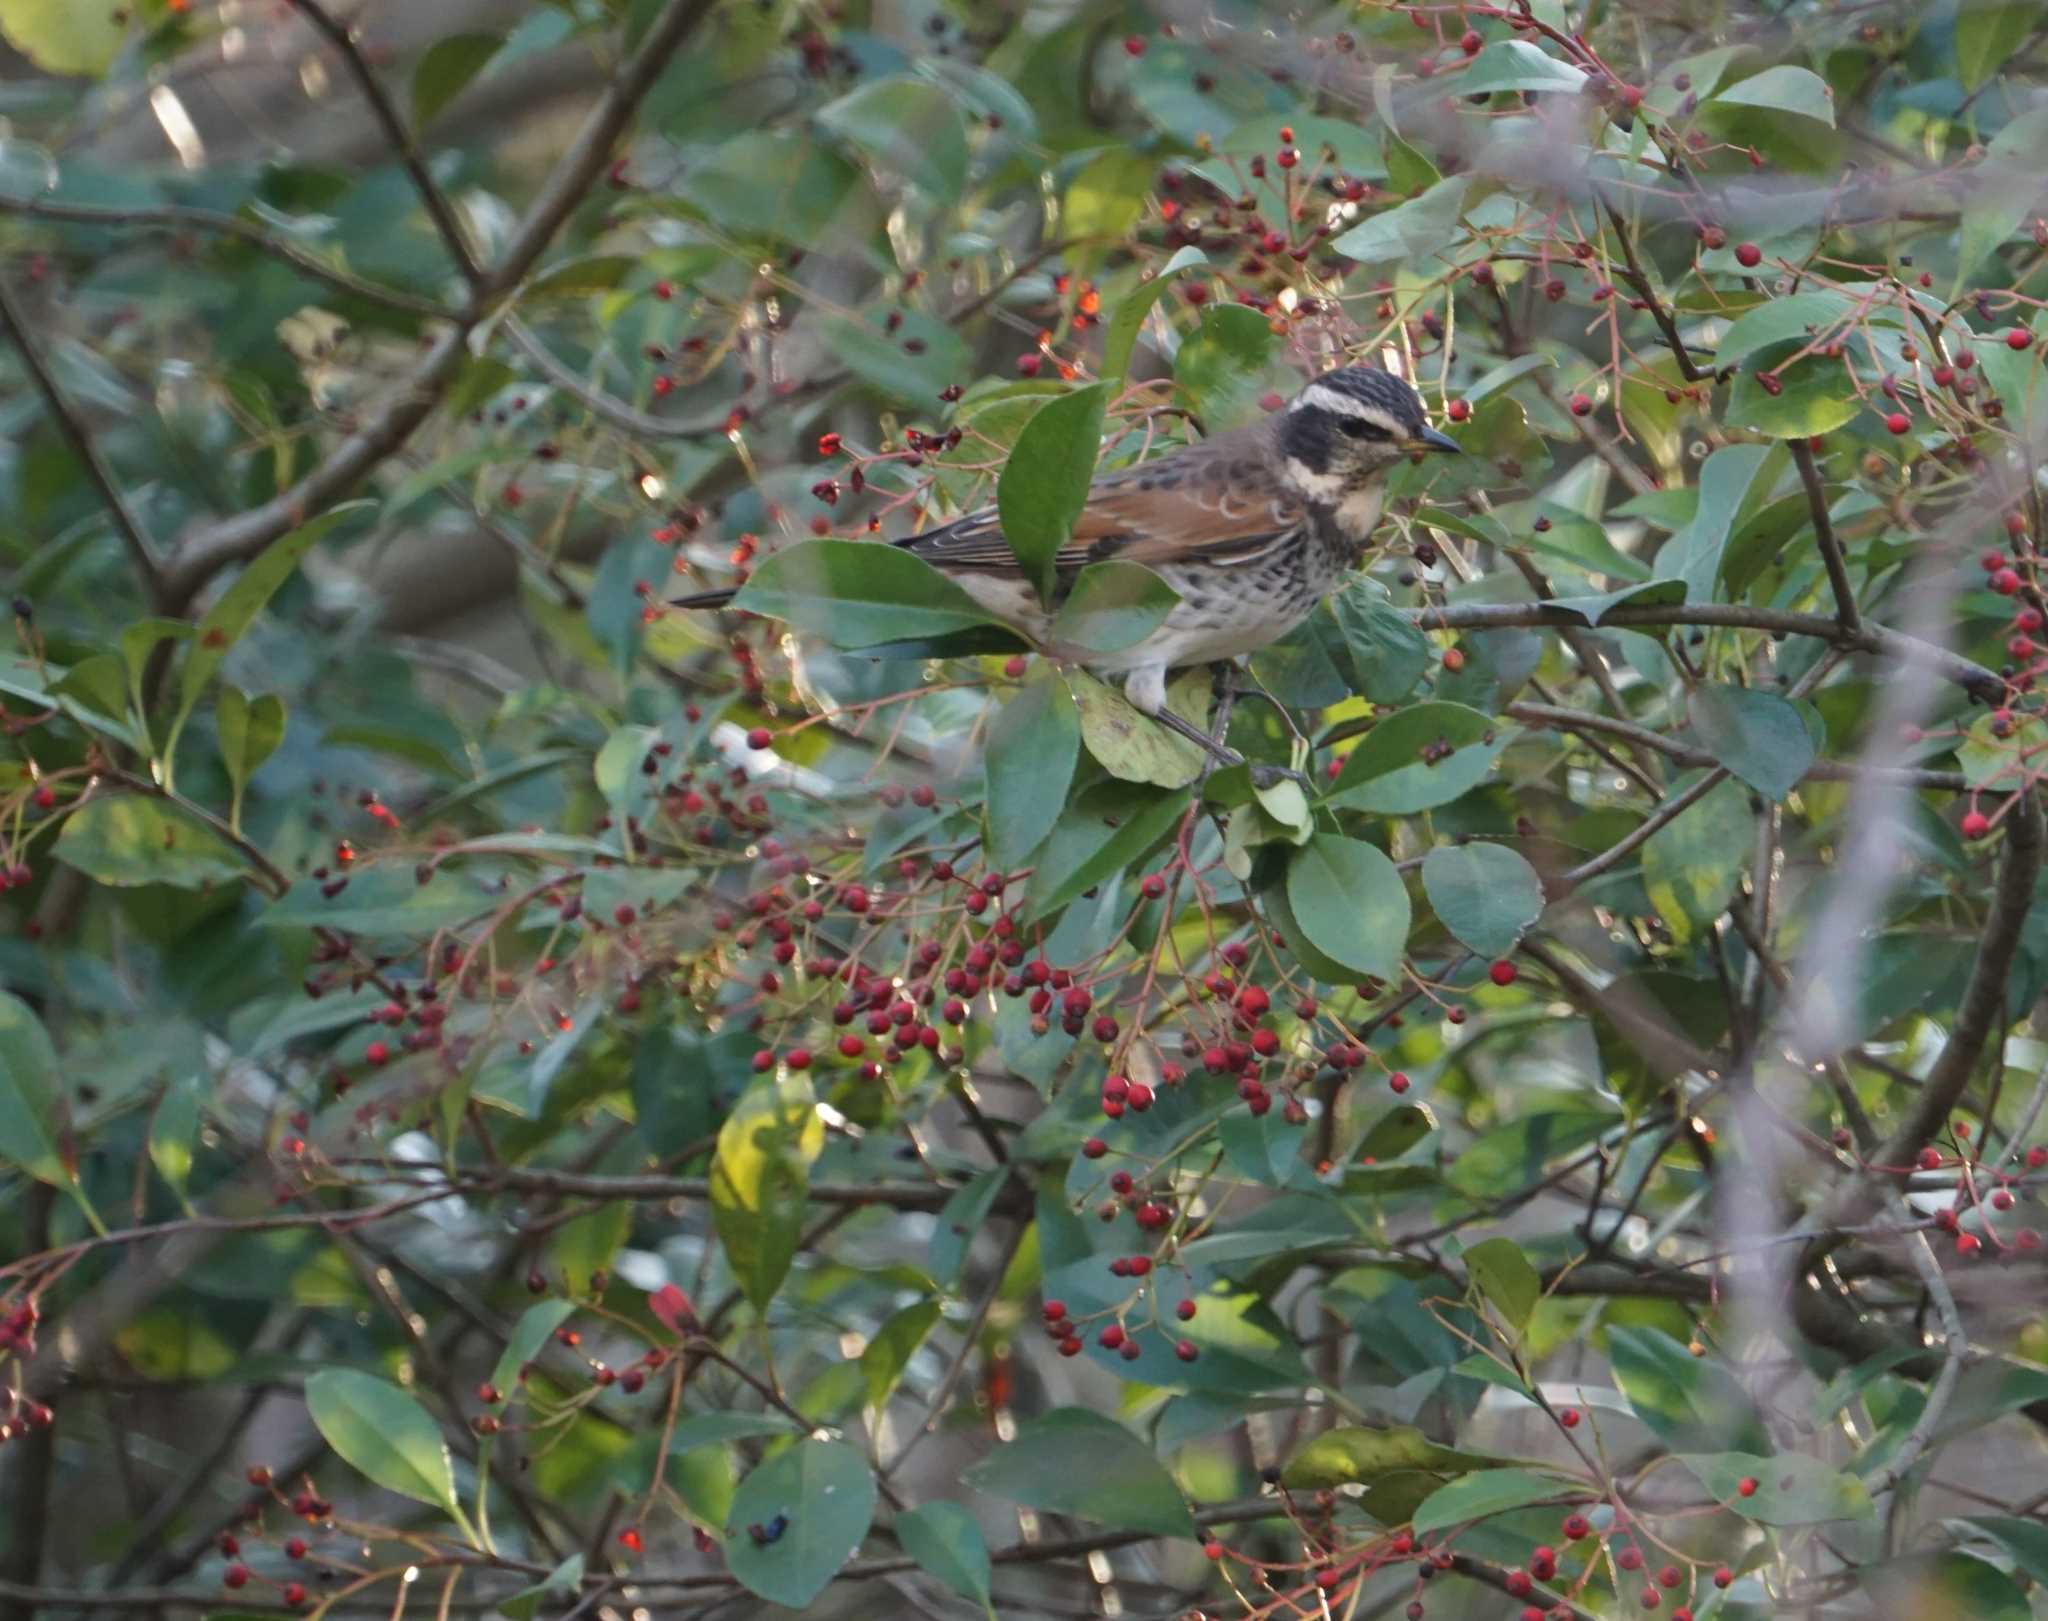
[[1350, 423]]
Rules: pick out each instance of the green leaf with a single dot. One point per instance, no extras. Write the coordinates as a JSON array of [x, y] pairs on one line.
[[250, 731], [1814, 396], [1418, 229], [384, 1433], [758, 1180], [1729, 484], [915, 362], [1121, 338], [1221, 370], [1759, 736], [173, 1126], [1490, 1492], [946, 1541], [1485, 894], [1111, 606], [238, 607], [1389, 772], [1948, 1586], [63, 37], [1987, 34], [1351, 903], [1108, 196], [1044, 484], [1798, 91], [1692, 865], [1353, 1455], [2025, 1540], [824, 1491], [1688, 1400], [894, 1344], [1791, 1489], [125, 840], [561, 1584], [1106, 829], [1388, 651], [586, 1246], [907, 126], [1074, 1461], [1132, 746], [781, 185], [1509, 1156], [719, 1429], [958, 1222], [2004, 195], [31, 1118], [678, 1076], [1503, 1274], [529, 1337], [1515, 64], [858, 594], [1034, 743], [1809, 317], [445, 70]]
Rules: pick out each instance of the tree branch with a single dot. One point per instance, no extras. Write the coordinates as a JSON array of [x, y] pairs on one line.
[[1824, 535], [73, 427], [245, 534], [342, 37]]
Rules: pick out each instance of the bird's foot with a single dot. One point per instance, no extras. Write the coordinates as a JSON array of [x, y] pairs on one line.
[[1271, 776]]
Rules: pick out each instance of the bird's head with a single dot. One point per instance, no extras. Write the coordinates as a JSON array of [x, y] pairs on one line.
[[1345, 430]]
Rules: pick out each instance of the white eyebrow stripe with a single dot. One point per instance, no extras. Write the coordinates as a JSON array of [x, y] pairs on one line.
[[1329, 399]]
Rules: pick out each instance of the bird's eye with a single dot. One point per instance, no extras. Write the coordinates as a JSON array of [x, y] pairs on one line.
[[1361, 428]]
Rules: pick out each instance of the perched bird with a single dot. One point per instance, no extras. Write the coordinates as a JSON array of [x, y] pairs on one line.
[[1252, 528]]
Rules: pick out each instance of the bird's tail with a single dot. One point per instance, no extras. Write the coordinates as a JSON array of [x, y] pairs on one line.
[[705, 599]]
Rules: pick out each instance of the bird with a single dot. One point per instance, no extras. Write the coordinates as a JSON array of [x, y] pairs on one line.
[[1252, 527]]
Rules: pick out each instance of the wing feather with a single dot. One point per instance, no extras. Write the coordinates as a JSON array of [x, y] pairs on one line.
[[1204, 504]]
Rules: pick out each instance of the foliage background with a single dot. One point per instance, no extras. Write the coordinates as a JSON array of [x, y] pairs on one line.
[[444, 1164]]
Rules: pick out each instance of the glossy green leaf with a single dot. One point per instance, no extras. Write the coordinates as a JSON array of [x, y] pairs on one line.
[[1225, 367], [31, 1113], [1351, 903], [1798, 91], [1075, 1461], [1988, 32], [1489, 1492], [1352, 1455], [1791, 1488], [1105, 830], [1122, 334], [529, 1337], [825, 1493], [1690, 1401], [1485, 894], [1516, 64], [64, 37], [250, 731], [381, 1431], [960, 1219], [946, 1541], [858, 594], [1425, 755], [445, 70], [1388, 652], [1759, 736], [1416, 230], [758, 1179], [1034, 743], [1044, 484], [130, 839], [1691, 866], [1132, 746], [1503, 1274], [895, 1343], [905, 126], [2026, 1541]]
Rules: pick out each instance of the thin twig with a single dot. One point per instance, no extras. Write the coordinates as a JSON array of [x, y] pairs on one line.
[[73, 427], [1824, 534]]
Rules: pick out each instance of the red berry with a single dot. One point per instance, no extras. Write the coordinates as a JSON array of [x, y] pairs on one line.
[[1184, 1310], [1898, 422], [294, 1594], [1748, 255], [1397, 1083], [2005, 582], [235, 1576], [1724, 1577], [1458, 410], [1111, 1337], [1094, 1148], [2018, 338], [1028, 364], [1470, 42], [1502, 973], [1186, 1350], [1582, 405], [1134, 46], [377, 1053], [759, 738], [1746, 1486], [295, 1548], [1975, 825]]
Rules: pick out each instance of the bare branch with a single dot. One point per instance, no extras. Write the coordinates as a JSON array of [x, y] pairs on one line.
[[1824, 536]]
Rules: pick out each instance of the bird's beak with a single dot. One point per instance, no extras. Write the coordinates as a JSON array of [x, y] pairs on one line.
[[1430, 439]]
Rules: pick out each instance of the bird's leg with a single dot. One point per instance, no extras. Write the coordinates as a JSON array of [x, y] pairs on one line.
[[1223, 676]]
